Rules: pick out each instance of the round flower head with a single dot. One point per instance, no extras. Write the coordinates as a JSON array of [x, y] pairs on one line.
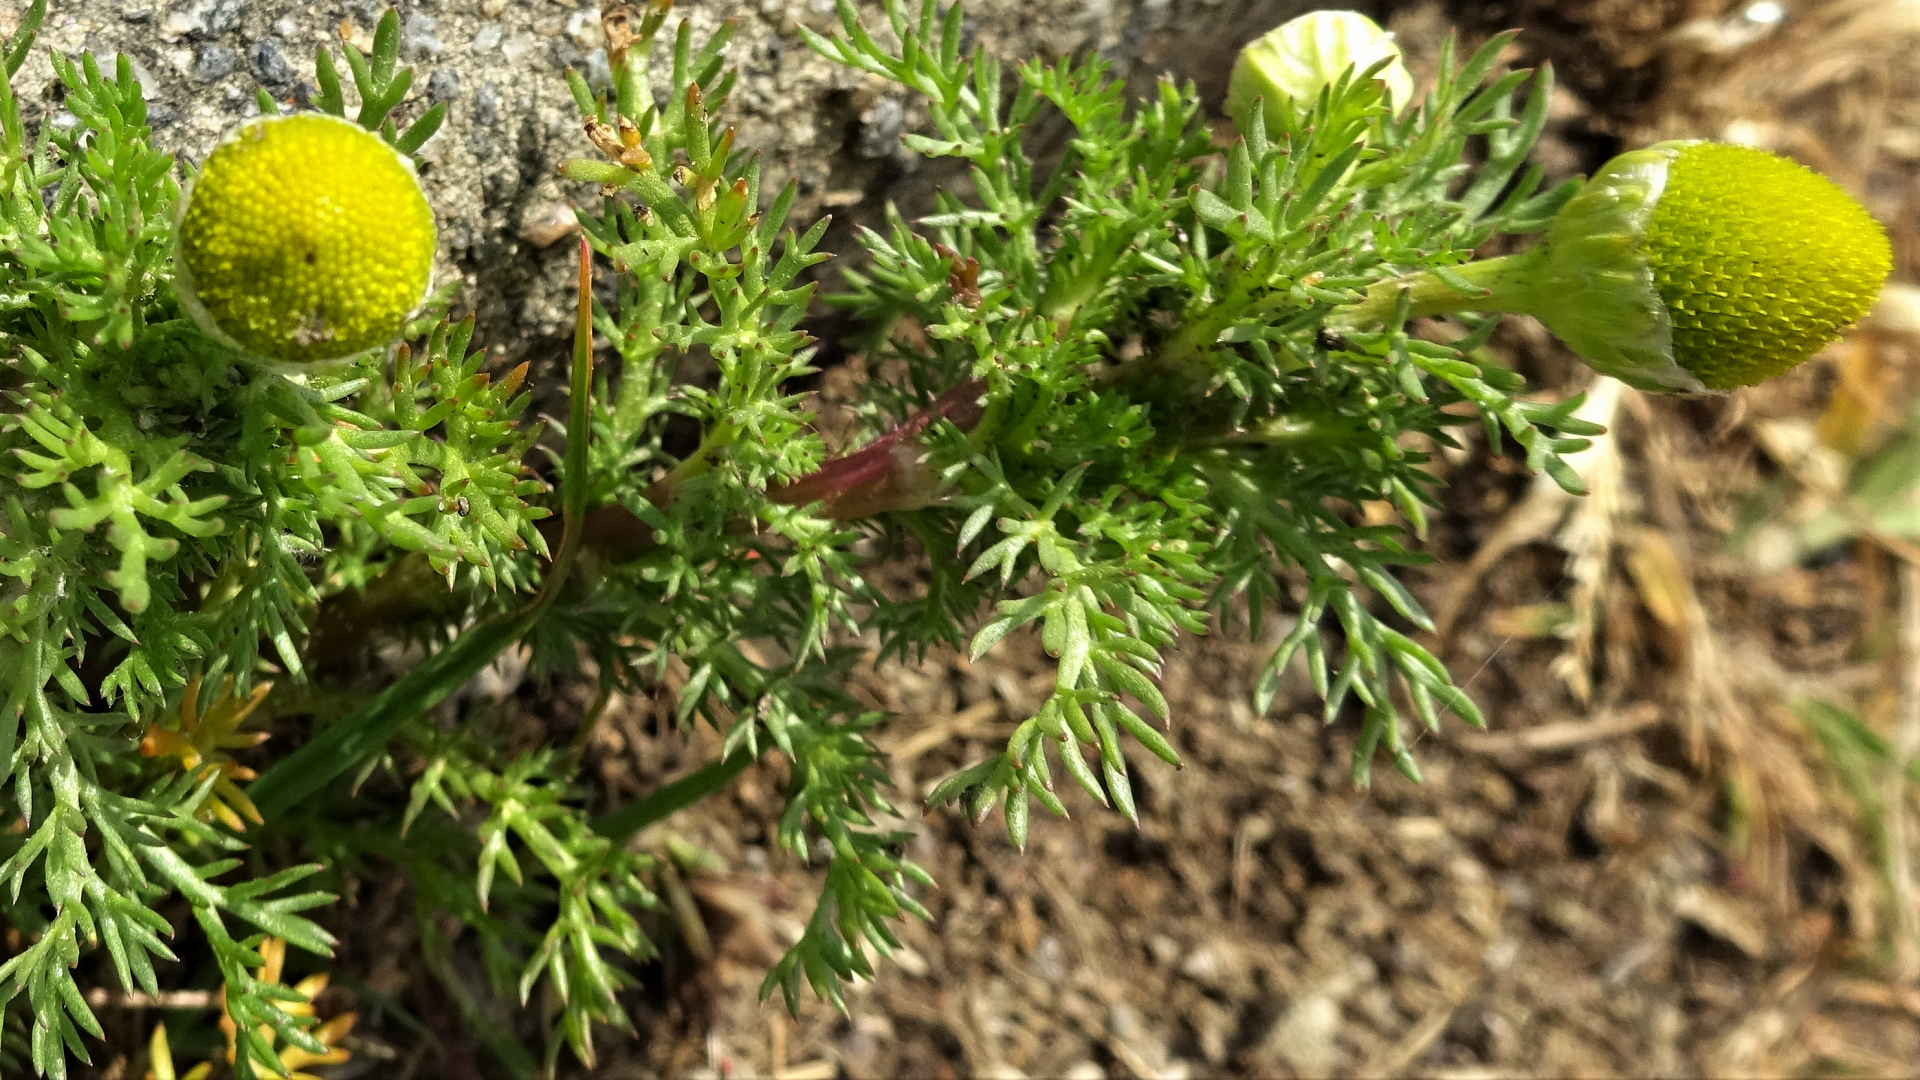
[[1686, 266], [1761, 262], [1698, 265], [304, 238], [1301, 56]]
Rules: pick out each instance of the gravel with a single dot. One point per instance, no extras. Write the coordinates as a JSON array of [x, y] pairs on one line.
[[443, 85], [268, 59], [213, 63]]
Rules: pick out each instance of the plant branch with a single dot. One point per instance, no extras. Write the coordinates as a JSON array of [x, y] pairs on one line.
[[346, 744]]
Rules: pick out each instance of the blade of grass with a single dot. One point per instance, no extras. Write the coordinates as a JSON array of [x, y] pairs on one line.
[[620, 825], [344, 745]]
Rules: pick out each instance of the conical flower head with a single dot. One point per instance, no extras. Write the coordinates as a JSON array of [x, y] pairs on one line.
[[1691, 266], [1760, 261], [305, 238]]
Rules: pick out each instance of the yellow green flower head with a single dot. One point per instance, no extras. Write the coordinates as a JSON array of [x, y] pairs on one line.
[[305, 238], [1686, 266], [1761, 262]]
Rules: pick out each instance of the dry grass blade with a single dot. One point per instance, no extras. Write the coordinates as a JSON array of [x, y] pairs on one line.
[[1898, 786], [1565, 734], [1584, 528], [975, 721], [1418, 1037], [1728, 715]]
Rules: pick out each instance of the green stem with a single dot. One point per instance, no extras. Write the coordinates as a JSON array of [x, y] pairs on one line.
[[1504, 284], [695, 464], [1198, 336]]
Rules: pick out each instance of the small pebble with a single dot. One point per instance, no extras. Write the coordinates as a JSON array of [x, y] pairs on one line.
[[879, 133], [1303, 1036], [443, 85], [1202, 966], [599, 72], [546, 227], [269, 60], [566, 57], [486, 106], [517, 47], [213, 63], [1122, 1020], [1519, 894], [911, 963], [1050, 957], [225, 17], [417, 37], [176, 26], [1500, 955], [583, 27], [487, 40]]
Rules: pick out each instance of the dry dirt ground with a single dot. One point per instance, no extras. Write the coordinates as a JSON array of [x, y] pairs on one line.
[[1647, 866]]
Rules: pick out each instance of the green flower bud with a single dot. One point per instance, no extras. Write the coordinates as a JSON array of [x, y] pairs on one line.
[[304, 238], [1686, 266], [1300, 56], [1761, 262]]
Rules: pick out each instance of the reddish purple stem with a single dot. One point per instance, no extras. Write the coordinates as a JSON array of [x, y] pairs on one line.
[[889, 473]]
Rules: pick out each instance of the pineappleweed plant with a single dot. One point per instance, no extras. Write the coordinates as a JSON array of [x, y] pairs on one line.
[[1145, 387]]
